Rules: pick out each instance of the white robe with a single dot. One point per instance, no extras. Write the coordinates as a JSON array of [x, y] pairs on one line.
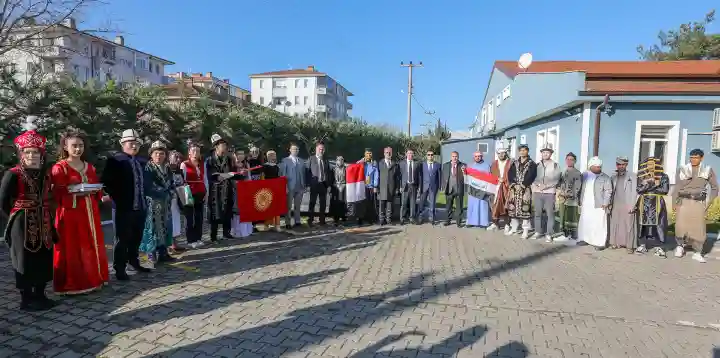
[[176, 222], [592, 227]]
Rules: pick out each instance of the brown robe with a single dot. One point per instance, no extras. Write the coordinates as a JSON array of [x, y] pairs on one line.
[[498, 205]]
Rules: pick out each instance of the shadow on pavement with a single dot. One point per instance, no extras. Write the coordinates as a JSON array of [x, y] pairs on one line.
[[312, 326], [86, 324]]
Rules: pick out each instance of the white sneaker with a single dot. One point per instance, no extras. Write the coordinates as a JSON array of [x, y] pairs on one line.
[[525, 234], [698, 257], [195, 245], [492, 227], [679, 251], [535, 236], [641, 249], [548, 239], [561, 238], [509, 231]]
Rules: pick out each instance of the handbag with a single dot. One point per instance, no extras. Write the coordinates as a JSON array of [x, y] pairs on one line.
[[185, 195]]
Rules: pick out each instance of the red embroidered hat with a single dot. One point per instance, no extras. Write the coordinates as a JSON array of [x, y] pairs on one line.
[[30, 138]]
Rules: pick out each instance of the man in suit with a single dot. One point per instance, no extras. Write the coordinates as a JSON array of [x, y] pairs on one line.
[[388, 187], [293, 168], [411, 180], [453, 185], [124, 179], [321, 179], [430, 184]]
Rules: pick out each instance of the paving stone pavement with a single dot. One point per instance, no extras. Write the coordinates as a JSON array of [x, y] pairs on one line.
[[418, 291]]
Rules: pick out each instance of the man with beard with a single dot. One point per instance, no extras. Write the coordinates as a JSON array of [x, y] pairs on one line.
[[124, 180], [569, 189], [521, 175], [692, 199], [623, 229], [220, 196], [499, 168], [25, 204], [389, 178], [478, 211], [595, 201]]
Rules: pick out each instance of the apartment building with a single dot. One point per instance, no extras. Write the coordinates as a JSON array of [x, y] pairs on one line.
[[301, 92], [220, 88], [63, 49]]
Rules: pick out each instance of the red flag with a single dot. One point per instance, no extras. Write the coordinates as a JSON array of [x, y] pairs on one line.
[[260, 200]]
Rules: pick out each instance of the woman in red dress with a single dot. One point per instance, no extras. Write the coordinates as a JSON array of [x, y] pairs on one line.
[[81, 263]]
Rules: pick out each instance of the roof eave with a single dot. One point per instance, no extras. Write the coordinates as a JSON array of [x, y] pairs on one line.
[[649, 93], [270, 75]]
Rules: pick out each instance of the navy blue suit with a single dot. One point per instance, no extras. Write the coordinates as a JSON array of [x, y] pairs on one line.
[[119, 181], [431, 174]]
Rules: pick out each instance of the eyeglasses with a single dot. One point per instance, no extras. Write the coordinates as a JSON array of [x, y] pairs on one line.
[[430, 154]]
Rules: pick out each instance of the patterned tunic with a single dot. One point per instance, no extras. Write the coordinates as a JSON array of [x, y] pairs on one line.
[[158, 222], [220, 198], [520, 177]]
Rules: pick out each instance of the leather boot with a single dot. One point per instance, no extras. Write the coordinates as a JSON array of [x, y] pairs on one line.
[[26, 300], [41, 300]]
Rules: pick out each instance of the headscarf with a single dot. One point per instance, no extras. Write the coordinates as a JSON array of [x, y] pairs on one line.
[[595, 161], [621, 160]]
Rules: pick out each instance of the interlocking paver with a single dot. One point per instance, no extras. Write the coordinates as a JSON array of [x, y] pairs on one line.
[[419, 291]]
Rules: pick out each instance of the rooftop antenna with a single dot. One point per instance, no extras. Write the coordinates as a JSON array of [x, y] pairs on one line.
[[525, 61]]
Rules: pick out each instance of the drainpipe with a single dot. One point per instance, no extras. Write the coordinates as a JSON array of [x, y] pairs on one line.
[[596, 137]]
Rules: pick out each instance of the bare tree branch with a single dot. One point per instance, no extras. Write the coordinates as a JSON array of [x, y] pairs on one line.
[[33, 25]]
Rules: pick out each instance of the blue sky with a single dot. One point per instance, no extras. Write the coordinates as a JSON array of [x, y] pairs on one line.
[[361, 43]]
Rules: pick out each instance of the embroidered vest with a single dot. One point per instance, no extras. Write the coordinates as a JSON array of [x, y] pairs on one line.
[[35, 202], [195, 177]]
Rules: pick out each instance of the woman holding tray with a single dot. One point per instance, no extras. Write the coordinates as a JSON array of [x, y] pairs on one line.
[[80, 259]]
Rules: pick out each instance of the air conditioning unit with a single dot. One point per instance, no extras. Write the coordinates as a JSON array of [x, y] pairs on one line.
[[716, 119], [715, 142]]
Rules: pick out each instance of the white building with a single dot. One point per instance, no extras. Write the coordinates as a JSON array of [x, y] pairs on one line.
[[299, 92], [63, 49]]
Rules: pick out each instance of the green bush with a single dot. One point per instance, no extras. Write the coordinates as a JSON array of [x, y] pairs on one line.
[[712, 215], [102, 112]]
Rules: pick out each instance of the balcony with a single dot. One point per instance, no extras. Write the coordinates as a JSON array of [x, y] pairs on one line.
[[349, 105], [54, 52], [321, 90], [279, 92], [321, 108]]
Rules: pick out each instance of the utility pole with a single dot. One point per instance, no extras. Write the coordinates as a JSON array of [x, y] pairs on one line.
[[410, 67]]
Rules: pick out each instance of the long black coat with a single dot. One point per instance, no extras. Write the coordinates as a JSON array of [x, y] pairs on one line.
[[389, 179]]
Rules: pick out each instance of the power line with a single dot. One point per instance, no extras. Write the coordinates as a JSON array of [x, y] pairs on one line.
[[429, 113]]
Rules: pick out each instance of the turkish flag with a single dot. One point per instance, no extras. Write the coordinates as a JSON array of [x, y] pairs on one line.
[[260, 200]]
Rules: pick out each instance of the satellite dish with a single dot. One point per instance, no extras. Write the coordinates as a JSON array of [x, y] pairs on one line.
[[525, 60]]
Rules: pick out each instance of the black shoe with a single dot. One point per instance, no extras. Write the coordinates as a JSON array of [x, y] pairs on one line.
[[166, 258], [447, 223], [288, 227], [402, 222], [122, 276], [309, 224], [139, 268], [297, 225], [323, 223], [413, 222], [26, 301], [43, 303]]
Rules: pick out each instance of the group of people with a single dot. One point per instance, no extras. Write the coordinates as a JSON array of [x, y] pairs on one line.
[[54, 229], [622, 210]]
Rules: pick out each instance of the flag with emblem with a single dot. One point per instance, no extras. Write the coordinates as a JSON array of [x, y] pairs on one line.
[[355, 179], [260, 200]]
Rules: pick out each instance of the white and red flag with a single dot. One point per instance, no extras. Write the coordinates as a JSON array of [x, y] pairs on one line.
[[355, 179]]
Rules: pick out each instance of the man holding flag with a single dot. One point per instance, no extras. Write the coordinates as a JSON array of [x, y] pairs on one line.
[[362, 187], [481, 186]]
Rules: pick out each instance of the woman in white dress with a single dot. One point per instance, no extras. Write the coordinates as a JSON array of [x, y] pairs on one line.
[[240, 229], [175, 210]]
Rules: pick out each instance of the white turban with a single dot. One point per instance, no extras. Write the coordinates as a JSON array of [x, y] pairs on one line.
[[595, 161]]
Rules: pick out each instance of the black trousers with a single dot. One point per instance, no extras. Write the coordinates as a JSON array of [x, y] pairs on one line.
[[457, 209], [317, 190], [226, 221], [129, 226], [408, 199], [194, 219], [338, 205], [385, 210]]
